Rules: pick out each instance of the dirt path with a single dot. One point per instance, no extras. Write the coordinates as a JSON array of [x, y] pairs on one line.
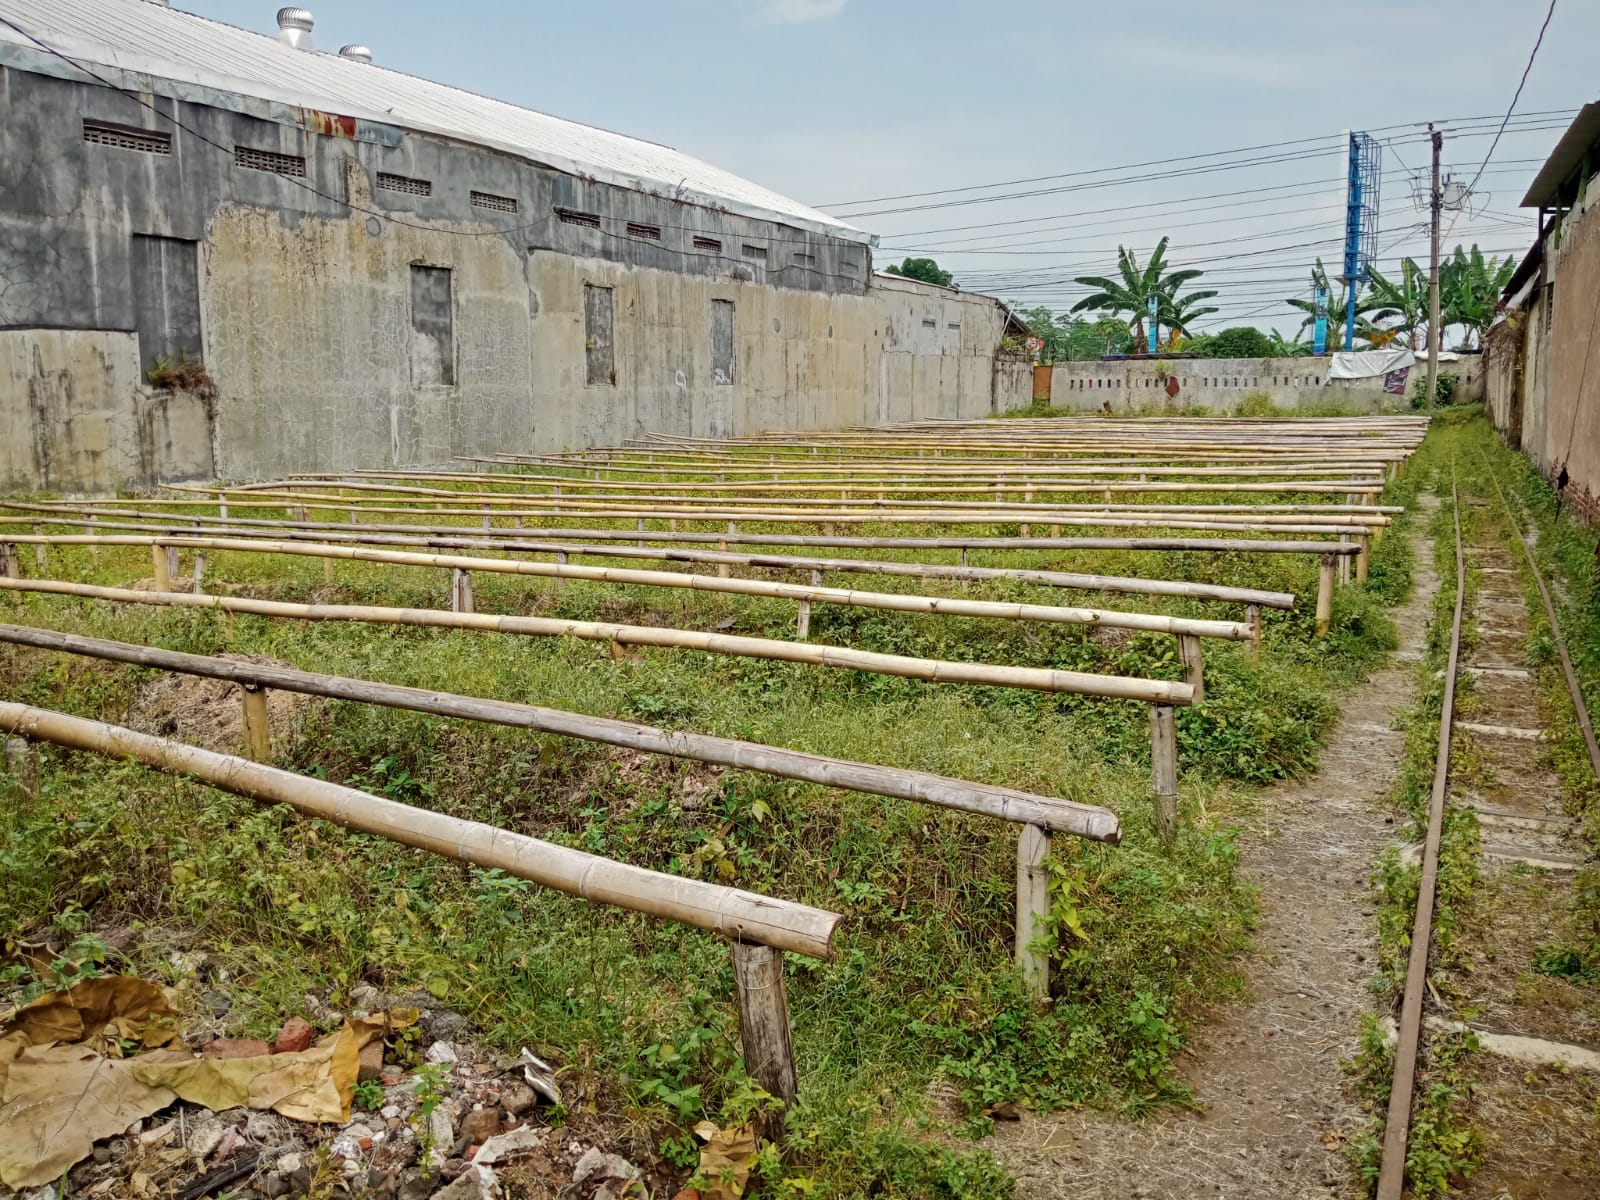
[[1275, 1101]]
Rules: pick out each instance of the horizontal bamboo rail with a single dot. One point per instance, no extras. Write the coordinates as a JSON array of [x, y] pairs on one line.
[[514, 540], [1151, 691], [1001, 803], [727, 911], [807, 594]]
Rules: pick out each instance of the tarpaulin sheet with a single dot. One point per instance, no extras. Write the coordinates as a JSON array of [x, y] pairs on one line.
[[1368, 364]]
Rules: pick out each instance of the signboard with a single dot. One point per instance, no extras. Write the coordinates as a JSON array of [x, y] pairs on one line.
[[1394, 382]]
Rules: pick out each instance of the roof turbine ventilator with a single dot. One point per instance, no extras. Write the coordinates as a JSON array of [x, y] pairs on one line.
[[355, 53], [294, 28]]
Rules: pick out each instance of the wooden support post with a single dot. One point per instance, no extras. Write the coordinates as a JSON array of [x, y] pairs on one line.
[[639, 526], [1361, 558], [1033, 909], [172, 564], [1193, 670], [486, 522], [300, 513], [39, 559], [200, 571], [1324, 595], [22, 764], [10, 568], [460, 590], [1344, 568], [723, 571], [803, 621], [257, 733], [516, 522], [94, 551], [963, 556], [1252, 616], [158, 562], [353, 520], [764, 1020], [327, 571], [1164, 770]]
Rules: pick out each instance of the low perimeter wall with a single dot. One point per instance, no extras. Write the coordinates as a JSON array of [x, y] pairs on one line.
[[1222, 384]]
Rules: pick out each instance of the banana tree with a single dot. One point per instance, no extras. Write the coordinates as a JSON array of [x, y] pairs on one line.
[[1402, 304], [1469, 289], [1130, 294], [1178, 313]]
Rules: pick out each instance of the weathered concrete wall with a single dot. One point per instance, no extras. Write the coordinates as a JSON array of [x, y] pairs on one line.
[[1567, 322], [1221, 384], [373, 312], [75, 417], [1503, 376]]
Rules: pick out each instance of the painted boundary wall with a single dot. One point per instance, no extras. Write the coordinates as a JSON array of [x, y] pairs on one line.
[[1221, 385]]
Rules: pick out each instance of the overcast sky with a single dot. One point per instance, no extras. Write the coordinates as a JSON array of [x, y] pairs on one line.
[[839, 101]]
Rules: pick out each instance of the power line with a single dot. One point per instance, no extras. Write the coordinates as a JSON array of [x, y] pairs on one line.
[[1539, 41]]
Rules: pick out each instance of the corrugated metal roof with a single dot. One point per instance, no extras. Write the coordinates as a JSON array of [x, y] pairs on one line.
[[147, 38], [1566, 158]]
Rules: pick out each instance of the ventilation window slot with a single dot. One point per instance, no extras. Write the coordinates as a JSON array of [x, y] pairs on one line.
[[404, 183], [953, 325], [496, 203], [123, 137], [711, 244], [269, 160], [805, 260], [569, 216], [648, 232], [759, 253], [929, 323]]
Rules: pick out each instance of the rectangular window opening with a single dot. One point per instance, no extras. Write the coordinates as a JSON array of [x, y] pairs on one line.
[[600, 365], [495, 203], [252, 159], [722, 343], [709, 244], [166, 294], [650, 233], [433, 355], [125, 137], [805, 260], [953, 325], [404, 183], [569, 216], [929, 323], [759, 253]]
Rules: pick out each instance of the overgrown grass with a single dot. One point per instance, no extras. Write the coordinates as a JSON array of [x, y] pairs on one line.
[[637, 1010]]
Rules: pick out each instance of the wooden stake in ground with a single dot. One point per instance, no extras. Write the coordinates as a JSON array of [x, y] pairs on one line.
[[764, 1018], [257, 731], [1164, 770], [23, 767], [1033, 909], [1324, 594]]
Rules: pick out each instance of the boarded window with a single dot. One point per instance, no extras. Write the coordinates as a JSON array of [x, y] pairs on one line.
[[707, 243], [648, 232], [722, 354], [126, 137], [404, 183], [805, 260], [269, 160], [759, 253], [497, 203], [166, 298], [570, 216], [599, 356], [433, 352]]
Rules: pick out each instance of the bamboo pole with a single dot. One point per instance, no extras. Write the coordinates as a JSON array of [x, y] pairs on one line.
[[158, 561], [1324, 594], [1253, 619], [988, 800], [1164, 770], [257, 727], [781, 924], [813, 654], [1033, 909], [764, 1021], [1193, 668], [892, 601]]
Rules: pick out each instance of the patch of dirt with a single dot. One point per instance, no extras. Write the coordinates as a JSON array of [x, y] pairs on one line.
[[1275, 1107], [209, 713], [1541, 1128]]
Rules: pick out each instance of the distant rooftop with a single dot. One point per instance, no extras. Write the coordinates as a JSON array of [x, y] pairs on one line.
[[137, 43]]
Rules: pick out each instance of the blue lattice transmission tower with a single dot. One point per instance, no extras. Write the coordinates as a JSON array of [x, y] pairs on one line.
[[1360, 223]]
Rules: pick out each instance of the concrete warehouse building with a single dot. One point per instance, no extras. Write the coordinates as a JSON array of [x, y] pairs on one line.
[[375, 269]]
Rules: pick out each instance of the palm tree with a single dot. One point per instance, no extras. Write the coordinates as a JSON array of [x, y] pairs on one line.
[[1469, 290], [1132, 292], [1177, 313], [1404, 304]]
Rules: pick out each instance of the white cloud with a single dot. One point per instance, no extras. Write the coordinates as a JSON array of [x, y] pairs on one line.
[[798, 12]]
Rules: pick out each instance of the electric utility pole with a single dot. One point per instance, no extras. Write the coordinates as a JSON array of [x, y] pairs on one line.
[[1435, 206]]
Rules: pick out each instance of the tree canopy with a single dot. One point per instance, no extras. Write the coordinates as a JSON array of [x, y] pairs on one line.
[[925, 269], [1130, 293]]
